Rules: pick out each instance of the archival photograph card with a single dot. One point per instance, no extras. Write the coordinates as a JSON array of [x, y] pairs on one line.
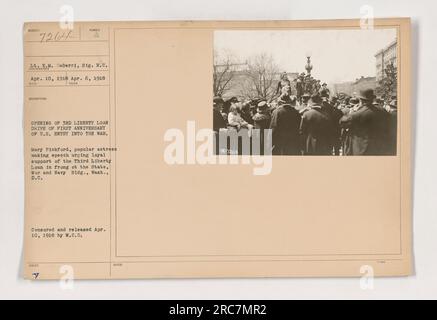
[[217, 149]]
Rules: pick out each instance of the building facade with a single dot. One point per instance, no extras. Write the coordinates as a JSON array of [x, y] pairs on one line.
[[385, 57], [356, 86]]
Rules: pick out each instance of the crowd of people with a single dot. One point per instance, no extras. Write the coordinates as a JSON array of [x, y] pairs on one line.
[[314, 122]]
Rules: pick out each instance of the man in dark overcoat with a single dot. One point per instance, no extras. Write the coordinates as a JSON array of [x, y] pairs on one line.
[[367, 126], [285, 129], [335, 115], [218, 121], [316, 129]]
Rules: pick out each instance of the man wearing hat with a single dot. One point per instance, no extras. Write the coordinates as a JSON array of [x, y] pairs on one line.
[[316, 129], [335, 103], [304, 104], [227, 105], [324, 94], [367, 126], [335, 114], [354, 103], [285, 129], [325, 87], [253, 107], [245, 112], [262, 121], [349, 106], [284, 98], [262, 118], [218, 121]]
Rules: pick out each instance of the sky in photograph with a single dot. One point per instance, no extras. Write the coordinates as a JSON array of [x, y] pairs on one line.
[[336, 55]]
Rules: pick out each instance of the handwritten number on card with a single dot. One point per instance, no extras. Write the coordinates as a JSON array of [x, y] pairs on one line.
[[57, 36]]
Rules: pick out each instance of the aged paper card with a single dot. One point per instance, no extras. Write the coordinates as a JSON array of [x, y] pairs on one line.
[[217, 149]]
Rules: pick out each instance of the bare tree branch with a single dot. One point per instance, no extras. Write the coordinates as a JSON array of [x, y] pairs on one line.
[[261, 72], [224, 72]]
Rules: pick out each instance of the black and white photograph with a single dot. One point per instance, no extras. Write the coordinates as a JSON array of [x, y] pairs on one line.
[[317, 92], [302, 182]]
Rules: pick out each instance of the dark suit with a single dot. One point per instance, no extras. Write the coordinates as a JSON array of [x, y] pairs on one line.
[[218, 121], [261, 122], [367, 130], [335, 116], [285, 131], [316, 128]]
